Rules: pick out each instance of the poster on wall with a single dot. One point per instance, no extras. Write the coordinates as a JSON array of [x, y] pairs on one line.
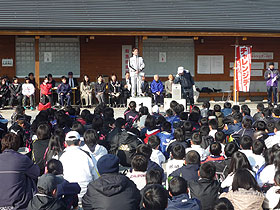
[[47, 57], [126, 54], [262, 55], [162, 57], [7, 62], [210, 64]]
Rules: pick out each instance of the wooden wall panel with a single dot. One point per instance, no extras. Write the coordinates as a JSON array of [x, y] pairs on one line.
[[103, 55], [7, 50], [224, 46]]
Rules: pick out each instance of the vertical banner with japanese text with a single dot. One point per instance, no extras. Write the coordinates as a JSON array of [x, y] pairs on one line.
[[243, 67]]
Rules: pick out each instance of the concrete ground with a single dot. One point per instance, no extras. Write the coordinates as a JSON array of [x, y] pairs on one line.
[[119, 111]]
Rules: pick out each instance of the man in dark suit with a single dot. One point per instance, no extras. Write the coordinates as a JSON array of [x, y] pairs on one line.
[[73, 84], [145, 87], [126, 88]]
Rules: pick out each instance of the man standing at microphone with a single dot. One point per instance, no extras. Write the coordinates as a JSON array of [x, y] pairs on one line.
[[271, 76], [136, 66]]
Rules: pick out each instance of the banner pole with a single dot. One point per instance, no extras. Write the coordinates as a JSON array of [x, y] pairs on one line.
[[234, 77]]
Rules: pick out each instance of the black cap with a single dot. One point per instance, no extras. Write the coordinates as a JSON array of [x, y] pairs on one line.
[[70, 73], [271, 63]]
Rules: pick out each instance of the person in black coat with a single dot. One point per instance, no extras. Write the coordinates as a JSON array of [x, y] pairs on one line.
[[17, 173], [4, 93], [145, 87], [64, 91], [73, 83], [15, 90], [206, 189], [114, 91], [100, 88], [126, 88], [111, 190]]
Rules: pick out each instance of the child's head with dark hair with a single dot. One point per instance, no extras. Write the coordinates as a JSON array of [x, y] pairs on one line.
[[235, 109], [166, 126], [77, 110], [43, 132], [260, 126], [77, 126], [207, 170], [270, 127], [187, 126], [70, 110], [192, 157], [108, 112], [173, 104], [237, 117], [196, 139], [91, 138], [215, 149], [206, 105], [132, 105], [139, 163], [155, 197], [217, 108], [97, 123], [246, 142], [179, 134], [143, 110], [276, 112], [227, 105], [260, 107], [245, 180], [196, 109], [277, 125], [159, 120], [223, 204], [54, 167], [177, 186], [220, 137], [184, 116], [247, 123], [238, 161], [178, 152], [84, 113], [266, 112], [178, 109], [194, 117], [20, 110], [144, 149], [169, 112], [154, 176], [213, 124], [120, 122], [258, 147], [150, 122], [204, 130], [246, 111], [203, 121], [230, 149], [154, 141]]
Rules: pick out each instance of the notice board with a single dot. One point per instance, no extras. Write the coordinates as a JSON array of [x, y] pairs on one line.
[[210, 64]]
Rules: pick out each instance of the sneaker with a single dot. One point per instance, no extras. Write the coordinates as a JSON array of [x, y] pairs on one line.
[[25, 107], [32, 108]]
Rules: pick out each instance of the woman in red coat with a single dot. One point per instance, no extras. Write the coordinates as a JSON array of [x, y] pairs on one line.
[[46, 91]]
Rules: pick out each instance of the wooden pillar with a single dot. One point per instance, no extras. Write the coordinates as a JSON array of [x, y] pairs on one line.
[[37, 68], [140, 45]]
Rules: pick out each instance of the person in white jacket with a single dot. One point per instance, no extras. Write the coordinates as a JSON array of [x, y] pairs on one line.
[[28, 91], [272, 196], [78, 165], [136, 66]]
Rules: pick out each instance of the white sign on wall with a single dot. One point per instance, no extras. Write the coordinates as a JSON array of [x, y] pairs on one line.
[[262, 55], [7, 62], [47, 57], [126, 54], [162, 57], [210, 64]]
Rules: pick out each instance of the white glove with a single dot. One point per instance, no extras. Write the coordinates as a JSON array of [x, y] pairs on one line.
[[194, 89]]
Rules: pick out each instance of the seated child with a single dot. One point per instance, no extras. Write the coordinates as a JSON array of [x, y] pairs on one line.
[[64, 91], [206, 189], [179, 196], [157, 155], [215, 153], [165, 137], [176, 160], [155, 197]]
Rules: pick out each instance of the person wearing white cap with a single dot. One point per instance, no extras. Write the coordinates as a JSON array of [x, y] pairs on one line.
[[136, 65], [185, 79], [78, 165]]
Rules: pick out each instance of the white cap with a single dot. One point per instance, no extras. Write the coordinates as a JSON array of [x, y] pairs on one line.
[[72, 136], [155, 109], [180, 70]]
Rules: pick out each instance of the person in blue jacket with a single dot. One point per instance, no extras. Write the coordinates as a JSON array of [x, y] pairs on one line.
[[64, 91], [156, 89]]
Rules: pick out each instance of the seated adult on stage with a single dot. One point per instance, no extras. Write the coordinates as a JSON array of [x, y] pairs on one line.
[[4, 93], [73, 84], [86, 91], [126, 88], [100, 88], [114, 91], [157, 88], [15, 90], [168, 86], [64, 91], [46, 91], [145, 88]]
